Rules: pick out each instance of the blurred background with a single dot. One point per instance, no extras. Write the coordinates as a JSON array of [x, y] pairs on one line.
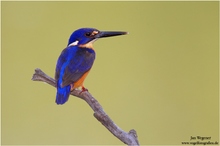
[[161, 79]]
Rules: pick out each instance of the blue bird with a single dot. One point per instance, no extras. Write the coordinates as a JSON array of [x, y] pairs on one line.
[[76, 60]]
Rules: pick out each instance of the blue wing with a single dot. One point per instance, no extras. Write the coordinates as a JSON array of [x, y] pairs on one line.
[[71, 65]]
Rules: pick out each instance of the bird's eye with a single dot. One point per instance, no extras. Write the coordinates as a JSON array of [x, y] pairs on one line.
[[88, 34]]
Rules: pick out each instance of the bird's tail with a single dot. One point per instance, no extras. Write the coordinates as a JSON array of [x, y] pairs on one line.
[[62, 94]]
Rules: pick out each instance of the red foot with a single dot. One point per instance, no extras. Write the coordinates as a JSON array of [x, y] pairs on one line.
[[83, 90]]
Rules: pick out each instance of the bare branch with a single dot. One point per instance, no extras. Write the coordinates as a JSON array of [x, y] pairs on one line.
[[129, 138]]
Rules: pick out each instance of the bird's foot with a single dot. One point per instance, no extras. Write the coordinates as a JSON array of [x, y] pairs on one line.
[[83, 90]]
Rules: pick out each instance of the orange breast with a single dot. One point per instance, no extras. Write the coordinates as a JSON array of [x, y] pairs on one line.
[[79, 82]]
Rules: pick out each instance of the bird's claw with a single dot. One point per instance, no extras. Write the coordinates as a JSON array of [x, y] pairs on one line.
[[83, 90]]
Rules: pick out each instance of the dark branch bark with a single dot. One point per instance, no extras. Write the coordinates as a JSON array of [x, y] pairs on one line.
[[129, 138]]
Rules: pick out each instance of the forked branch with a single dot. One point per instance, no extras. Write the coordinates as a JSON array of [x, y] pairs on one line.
[[129, 138]]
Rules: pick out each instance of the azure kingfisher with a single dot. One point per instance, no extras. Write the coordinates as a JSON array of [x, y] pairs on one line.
[[76, 60]]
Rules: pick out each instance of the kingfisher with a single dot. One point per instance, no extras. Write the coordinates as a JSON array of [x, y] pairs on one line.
[[76, 60]]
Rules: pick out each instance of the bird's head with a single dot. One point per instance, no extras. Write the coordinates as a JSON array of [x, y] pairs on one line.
[[86, 36]]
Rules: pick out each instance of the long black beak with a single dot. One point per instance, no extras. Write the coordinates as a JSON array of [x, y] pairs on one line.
[[103, 34]]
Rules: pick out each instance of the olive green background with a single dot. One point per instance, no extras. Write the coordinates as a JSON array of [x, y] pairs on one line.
[[161, 79]]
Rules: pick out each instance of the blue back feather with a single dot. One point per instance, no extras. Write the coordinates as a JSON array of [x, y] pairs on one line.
[[71, 65]]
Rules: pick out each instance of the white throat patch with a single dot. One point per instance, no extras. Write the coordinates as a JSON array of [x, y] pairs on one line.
[[73, 43], [88, 45]]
